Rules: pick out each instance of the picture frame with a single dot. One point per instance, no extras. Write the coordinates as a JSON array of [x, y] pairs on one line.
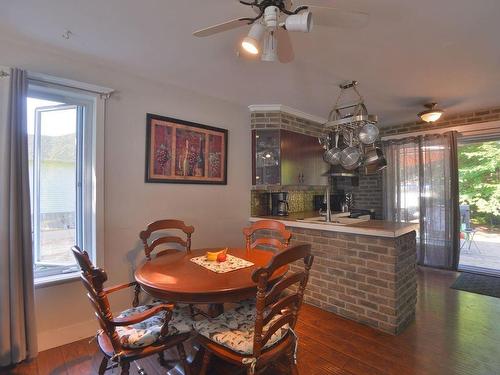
[[184, 152]]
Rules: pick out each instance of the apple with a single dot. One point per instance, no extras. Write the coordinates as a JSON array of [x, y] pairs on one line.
[[222, 257]]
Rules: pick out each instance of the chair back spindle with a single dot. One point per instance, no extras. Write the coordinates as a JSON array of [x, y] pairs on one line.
[[93, 280], [160, 225], [272, 302], [267, 226]]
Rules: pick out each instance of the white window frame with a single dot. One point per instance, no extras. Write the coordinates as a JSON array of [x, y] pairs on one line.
[[93, 173], [83, 237]]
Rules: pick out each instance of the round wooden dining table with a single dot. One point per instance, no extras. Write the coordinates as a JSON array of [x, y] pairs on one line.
[[174, 277]]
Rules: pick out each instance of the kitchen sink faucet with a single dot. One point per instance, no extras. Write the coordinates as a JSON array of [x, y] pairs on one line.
[[328, 218]]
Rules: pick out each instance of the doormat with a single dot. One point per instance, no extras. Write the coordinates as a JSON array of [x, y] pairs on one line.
[[480, 284]]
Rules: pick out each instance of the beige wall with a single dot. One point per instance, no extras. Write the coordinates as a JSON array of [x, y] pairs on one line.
[[217, 212]]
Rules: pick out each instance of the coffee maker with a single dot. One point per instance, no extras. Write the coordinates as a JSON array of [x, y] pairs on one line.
[[279, 204]]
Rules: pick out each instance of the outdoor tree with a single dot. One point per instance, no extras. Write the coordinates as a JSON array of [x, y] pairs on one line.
[[479, 174]]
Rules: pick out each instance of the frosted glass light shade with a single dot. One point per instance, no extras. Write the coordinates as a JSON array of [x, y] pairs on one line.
[[432, 114], [250, 46], [251, 43]]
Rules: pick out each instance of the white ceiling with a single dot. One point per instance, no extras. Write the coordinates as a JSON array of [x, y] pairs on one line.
[[409, 52]]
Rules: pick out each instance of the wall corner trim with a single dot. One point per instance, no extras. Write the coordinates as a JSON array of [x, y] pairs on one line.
[[286, 109]]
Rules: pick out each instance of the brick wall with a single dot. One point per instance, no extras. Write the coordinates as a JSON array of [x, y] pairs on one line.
[[368, 279], [281, 120], [367, 193], [448, 120]]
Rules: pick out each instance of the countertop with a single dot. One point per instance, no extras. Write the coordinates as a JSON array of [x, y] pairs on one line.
[[378, 228]]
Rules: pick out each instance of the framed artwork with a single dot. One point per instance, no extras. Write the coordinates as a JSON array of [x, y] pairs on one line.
[[179, 151]]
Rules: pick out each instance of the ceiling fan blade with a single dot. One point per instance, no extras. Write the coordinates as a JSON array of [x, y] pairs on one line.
[[229, 25], [285, 47], [334, 17]]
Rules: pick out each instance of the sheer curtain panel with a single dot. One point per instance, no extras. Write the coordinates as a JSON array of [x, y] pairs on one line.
[[421, 186], [18, 339], [439, 224], [402, 181]]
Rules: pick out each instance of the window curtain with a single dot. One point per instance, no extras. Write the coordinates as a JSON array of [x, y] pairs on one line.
[[421, 186], [18, 339], [402, 181]]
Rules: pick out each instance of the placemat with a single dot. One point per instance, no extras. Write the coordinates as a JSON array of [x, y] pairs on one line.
[[232, 263]]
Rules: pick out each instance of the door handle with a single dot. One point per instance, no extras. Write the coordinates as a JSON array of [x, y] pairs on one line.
[[301, 178]]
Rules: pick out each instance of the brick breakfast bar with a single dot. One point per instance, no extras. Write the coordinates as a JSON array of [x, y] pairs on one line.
[[365, 271]]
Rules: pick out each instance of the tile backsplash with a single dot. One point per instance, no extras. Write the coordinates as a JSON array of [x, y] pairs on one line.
[[298, 201]]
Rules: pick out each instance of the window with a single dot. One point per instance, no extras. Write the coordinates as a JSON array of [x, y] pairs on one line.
[[62, 158]]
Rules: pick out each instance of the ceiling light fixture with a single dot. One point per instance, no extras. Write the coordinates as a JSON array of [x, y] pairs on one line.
[[302, 22], [270, 52], [283, 17], [251, 43], [431, 114]]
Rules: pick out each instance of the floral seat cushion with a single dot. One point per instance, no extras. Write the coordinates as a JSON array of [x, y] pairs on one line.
[[235, 328], [148, 332]]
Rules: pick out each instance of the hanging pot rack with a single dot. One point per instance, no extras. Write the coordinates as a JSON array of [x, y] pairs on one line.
[[350, 120], [359, 115]]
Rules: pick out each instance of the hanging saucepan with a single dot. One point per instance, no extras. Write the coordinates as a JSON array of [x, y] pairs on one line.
[[368, 133], [332, 156], [350, 157], [375, 159], [373, 156], [382, 163]]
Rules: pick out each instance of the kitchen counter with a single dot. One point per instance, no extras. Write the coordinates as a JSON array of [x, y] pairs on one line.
[[364, 271], [379, 228]]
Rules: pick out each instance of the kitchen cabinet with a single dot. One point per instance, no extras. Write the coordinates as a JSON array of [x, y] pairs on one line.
[[282, 157]]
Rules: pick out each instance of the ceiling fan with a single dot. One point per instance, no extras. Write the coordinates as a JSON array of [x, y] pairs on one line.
[[275, 19]]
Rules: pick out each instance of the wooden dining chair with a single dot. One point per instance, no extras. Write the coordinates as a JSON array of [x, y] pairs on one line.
[[256, 334], [161, 225], [265, 227], [136, 333], [150, 246]]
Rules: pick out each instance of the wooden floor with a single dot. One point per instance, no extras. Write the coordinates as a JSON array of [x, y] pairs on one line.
[[455, 333]]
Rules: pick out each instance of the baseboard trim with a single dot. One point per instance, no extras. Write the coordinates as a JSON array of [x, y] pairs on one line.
[[65, 335]]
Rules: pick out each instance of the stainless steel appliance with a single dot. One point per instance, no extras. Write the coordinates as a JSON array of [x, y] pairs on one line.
[[279, 204]]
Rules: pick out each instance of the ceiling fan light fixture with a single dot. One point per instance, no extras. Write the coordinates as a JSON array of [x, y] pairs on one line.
[[271, 16], [302, 22], [251, 43], [432, 114], [270, 51], [250, 46]]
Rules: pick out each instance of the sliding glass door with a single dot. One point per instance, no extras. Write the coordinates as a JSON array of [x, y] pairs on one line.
[[479, 175]]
